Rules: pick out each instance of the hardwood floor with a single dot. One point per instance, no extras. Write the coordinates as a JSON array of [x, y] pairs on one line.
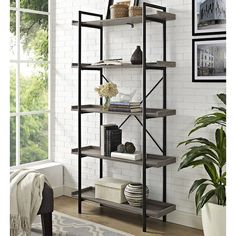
[[121, 220]]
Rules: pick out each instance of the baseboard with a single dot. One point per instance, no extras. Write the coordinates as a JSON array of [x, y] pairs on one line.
[[68, 190], [177, 217], [58, 191], [186, 219]]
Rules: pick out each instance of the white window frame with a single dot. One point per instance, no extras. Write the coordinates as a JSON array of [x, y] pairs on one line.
[[18, 114]]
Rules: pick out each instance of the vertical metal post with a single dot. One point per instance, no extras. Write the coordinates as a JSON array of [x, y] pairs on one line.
[[79, 111], [101, 81], [164, 119], [144, 118]]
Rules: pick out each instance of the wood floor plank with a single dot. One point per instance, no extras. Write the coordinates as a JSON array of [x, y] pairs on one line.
[[122, 220]]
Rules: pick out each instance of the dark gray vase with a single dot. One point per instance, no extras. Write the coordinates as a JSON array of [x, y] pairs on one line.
[[136, 58]]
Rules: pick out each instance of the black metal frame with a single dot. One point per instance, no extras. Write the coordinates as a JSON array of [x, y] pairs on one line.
[[143, 102], [80, 25]]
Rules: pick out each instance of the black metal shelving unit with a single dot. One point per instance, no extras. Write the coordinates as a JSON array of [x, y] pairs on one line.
[[150, 208]]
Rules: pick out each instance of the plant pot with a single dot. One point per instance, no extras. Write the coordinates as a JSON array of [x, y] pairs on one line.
[[214, 220]]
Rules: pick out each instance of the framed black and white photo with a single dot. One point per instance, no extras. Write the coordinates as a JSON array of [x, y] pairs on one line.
[[209, 60], [208, 17]]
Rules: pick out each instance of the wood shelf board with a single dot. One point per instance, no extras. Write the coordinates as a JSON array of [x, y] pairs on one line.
[[152, 160], [155, 209], [160, 16], [150, 112], [149, 65]]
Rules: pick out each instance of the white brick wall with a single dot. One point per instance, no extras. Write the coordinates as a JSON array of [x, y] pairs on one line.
[[189, 99]]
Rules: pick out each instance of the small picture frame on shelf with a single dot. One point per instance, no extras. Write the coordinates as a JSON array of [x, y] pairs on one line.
[[209, 60], [208, 17]]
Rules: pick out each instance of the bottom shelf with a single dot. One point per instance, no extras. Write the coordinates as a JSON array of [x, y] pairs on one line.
[[155, 209]]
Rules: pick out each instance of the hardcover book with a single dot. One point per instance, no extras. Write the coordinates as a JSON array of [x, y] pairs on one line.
[[103, 132], [113, 138]]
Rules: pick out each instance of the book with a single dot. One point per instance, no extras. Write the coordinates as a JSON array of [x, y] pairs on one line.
[[124, 109], [103, 128], [130, 104], [108, 62], [112, 139], [130, 107], [134, 156]]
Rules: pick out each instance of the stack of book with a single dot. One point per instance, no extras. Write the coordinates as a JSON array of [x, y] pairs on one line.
[[111, 137], [125, 106]]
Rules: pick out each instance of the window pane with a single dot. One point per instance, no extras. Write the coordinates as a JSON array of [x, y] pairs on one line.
[[39, 5], [12, 35], [34, 37], [13, 141], [12, 3], [33, 138], [33, 87], [13, 88]]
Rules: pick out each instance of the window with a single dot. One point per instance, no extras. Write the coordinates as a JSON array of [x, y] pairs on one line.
[[29, 81]]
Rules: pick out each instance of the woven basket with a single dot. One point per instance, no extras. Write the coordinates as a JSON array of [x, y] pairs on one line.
[[124, 3], [135, 11], [119, 11]]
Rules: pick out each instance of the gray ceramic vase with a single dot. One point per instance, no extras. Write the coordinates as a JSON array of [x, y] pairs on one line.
[[133, 194], [136, 58]]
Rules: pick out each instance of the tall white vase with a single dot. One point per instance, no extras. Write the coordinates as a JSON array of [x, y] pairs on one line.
[[214, 220]]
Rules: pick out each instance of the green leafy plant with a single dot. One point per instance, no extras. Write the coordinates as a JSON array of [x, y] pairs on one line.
[[209, 154]]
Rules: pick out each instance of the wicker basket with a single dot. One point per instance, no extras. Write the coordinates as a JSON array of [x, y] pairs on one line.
[[119, 11], [124, 3], [135, 11]]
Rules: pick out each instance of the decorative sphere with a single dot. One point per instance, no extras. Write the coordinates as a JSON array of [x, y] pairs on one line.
[[121, 148], [129, 147]]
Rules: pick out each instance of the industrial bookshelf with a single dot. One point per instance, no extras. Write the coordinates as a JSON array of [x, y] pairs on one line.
[[150, 208]]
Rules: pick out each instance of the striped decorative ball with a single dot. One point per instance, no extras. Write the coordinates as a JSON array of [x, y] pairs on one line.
[[133, 194]]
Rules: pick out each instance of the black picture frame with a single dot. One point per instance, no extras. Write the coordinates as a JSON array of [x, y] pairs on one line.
[[110, 3], [209, 31], [196, 57]]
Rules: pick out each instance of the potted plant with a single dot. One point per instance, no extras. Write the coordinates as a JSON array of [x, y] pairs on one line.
[[211, 155]]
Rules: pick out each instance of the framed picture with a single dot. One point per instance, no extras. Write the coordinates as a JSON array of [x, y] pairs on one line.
[[208, 17], [209, 60]]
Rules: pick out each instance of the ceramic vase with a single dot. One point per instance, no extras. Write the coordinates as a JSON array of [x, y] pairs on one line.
[[136, 58], [106, 105], [133, 194]]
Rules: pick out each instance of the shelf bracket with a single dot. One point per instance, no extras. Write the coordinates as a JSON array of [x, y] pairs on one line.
[[149, 135]]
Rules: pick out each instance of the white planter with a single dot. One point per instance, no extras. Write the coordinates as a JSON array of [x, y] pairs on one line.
[[214, 220]]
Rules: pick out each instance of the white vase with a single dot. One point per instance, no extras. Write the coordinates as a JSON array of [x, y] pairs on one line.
[[214, 220]]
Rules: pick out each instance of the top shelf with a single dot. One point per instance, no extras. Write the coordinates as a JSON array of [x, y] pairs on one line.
[[160, 17]]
